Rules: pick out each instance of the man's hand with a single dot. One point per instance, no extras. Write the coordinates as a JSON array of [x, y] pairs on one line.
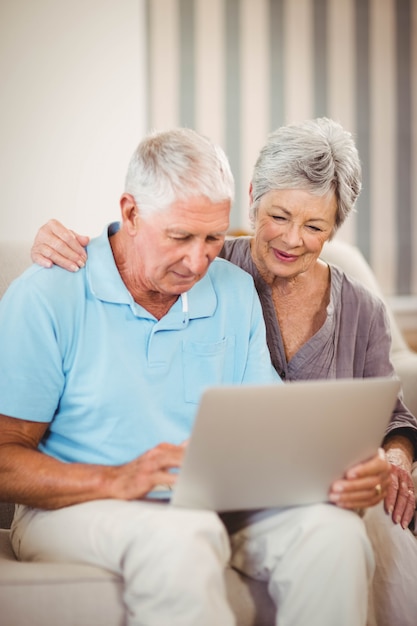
[[400, 501], [55, 244], [363, 485], [137, 478]]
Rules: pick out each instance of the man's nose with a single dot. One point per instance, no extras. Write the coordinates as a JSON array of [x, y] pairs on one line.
[[198, 259]]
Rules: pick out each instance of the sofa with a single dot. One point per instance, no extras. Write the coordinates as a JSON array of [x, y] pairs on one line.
[[48, 594]]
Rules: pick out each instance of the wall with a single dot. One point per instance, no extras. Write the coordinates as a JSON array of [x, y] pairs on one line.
[[73, 109], [236, 69], [76, 100]]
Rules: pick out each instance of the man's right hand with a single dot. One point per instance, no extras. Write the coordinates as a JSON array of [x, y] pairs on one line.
[[140, 476], [56, 244]]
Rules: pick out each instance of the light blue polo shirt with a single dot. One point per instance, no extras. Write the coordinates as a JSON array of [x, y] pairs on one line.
[[113, 381]]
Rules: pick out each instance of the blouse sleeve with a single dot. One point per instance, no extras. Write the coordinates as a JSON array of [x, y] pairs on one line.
[[378, 363]]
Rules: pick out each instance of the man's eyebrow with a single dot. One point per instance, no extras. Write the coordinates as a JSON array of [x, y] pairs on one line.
[[173, 229], [181, 231]]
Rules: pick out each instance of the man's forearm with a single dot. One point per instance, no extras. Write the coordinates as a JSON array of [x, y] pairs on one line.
[[35, 479]]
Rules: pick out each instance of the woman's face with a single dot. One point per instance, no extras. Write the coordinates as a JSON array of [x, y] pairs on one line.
[[291, 228]]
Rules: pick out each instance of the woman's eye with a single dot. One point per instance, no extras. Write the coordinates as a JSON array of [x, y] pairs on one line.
[[316, 229]]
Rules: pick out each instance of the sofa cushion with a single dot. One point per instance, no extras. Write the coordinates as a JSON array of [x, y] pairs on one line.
[[52, 593]]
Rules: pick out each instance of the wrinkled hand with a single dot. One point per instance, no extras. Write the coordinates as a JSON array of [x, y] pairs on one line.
[[363, 485], [400, 501], [55, 244], [135, 479]]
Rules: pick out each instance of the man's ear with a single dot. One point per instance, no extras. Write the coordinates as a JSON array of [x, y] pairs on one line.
[[130, 213]]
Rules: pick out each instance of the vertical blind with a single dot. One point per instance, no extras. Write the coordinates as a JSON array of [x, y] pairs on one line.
[[237, 69]]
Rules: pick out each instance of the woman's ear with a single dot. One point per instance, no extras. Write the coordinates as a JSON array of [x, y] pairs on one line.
[[130, 213], [250, 194]]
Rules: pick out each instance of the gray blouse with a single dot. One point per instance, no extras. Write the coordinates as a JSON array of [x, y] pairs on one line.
[[354, 341]]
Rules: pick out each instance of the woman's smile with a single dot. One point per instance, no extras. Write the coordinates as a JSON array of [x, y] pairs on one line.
[[285, 257]]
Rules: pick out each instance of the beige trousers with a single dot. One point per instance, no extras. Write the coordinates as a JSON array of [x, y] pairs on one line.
[[316, 560], [172, 560]]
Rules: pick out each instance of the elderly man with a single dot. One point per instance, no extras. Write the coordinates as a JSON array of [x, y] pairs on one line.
[[100, 375]]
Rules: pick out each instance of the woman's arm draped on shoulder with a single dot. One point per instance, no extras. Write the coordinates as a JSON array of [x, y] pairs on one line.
[[57, 245]]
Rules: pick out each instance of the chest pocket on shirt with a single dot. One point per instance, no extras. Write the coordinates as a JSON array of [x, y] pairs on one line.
[[206, 364]]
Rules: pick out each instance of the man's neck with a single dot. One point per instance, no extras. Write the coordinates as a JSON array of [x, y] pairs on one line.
[[156, 303]]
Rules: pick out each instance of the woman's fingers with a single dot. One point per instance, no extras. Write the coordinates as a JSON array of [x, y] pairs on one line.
[[364, 485], [55, 244]]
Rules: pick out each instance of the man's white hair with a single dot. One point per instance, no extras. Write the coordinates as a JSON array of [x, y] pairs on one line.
[[174, 165]]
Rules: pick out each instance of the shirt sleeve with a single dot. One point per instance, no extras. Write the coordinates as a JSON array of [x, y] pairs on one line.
[[30, 384]]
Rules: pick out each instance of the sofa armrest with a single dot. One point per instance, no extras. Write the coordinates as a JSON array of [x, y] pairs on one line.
[[404, 360], [14, 259], [405, 364]]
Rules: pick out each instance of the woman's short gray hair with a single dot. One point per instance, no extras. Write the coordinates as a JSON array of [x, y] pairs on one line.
[[317, 156], [174, 165]]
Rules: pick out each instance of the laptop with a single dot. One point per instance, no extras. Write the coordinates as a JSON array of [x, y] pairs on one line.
[[280, 445]]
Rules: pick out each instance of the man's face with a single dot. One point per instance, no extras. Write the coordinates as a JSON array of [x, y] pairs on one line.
[[174, 248]]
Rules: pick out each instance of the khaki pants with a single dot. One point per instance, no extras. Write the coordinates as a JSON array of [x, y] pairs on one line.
[[317, 561]]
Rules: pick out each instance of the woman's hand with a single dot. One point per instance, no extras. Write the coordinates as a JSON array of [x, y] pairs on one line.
[[400, 501], [55, 244], [363, 485]]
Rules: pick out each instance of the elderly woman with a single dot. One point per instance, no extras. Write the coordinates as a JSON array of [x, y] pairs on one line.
[[320, 323]]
